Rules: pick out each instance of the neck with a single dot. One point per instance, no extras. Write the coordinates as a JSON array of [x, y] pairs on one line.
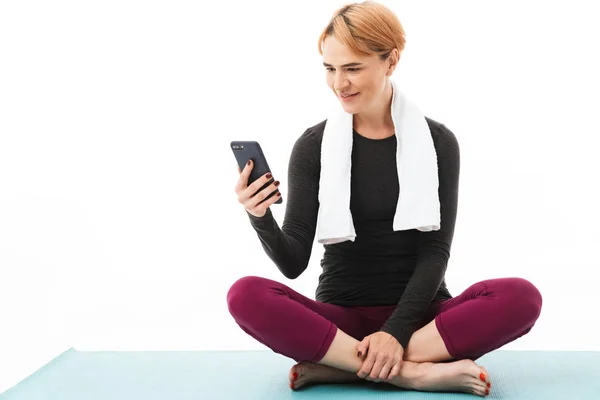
[[379, 116]]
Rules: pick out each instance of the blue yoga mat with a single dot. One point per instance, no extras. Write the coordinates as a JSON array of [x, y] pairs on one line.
[[262, 375]]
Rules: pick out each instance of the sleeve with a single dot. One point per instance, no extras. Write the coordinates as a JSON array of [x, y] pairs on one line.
[[434, 247], [290, 246]]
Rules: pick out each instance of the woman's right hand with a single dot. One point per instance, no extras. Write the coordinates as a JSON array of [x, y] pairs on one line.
[[247, 195]]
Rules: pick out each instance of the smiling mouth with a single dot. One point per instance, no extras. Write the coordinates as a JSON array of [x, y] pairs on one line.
[[346, 99]]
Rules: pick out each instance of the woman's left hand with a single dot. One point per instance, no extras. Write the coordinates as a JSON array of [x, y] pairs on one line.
[[383, 359]]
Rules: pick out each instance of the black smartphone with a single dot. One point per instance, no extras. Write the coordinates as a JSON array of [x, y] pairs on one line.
[[246, 150]]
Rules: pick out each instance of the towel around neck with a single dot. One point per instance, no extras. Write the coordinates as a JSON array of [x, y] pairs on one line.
[[418, 204]]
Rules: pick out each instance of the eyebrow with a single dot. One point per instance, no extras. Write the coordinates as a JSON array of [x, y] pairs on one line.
[[353, 64]]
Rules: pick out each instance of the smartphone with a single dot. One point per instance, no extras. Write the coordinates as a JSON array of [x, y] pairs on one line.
[[246, 150]]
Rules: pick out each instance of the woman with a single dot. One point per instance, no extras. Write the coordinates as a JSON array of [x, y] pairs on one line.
[[382, 311]]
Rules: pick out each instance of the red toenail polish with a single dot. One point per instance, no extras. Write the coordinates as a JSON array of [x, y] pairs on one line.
[[489, 384], [487, 391], [482, 376], [291, 385], [294, 376]]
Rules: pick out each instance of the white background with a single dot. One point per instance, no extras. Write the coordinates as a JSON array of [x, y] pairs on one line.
[[119, 225]]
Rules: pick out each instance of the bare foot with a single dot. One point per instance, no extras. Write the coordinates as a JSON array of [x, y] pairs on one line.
[[305, 373], [458, 376]]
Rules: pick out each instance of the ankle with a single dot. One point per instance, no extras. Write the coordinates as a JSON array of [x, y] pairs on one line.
[[411, 375]]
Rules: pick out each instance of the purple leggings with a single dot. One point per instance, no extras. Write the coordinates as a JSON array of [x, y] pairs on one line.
[[484, 317]]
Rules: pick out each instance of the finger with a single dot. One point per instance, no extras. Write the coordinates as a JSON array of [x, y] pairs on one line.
[[262, 207], [377, 366], [255, 200], [367, 365], [362, 347], [385, 370], [253, 188], [243, 181], [395, 372]]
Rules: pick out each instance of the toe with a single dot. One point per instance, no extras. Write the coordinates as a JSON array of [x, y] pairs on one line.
[[486, 384], [480, 386], [478, 390], [484, 375], [293, 373]]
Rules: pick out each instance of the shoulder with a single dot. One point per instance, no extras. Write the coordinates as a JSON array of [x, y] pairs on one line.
[[314, 134], [309, 142], [306, 152], [443, 138]]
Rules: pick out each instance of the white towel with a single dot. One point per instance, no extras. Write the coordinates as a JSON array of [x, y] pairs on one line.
[[416, 159]]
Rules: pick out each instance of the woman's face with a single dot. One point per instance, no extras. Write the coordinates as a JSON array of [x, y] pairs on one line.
[[365, 77]]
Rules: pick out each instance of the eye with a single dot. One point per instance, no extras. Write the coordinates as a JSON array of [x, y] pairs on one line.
[[349, 69]]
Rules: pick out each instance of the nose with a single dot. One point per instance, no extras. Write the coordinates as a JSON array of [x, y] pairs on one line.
[[340, 82]]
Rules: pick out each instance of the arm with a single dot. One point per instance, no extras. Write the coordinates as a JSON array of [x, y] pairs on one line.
[[434, 246], [290, 246]]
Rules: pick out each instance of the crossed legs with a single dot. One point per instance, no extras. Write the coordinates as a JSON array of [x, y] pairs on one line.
[[484, 317]]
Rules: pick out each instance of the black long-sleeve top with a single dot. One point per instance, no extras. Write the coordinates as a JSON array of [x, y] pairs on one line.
[[381, 266]]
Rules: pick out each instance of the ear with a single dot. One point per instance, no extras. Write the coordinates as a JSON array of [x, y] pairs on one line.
[[393, 59]]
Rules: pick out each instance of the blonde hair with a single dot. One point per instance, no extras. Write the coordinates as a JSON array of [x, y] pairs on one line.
[[367, 29]]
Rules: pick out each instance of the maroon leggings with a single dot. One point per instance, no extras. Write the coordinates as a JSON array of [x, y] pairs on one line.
[[484, 317]]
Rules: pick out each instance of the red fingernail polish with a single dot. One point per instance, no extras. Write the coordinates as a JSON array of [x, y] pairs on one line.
[[269, 176], [482, 376]]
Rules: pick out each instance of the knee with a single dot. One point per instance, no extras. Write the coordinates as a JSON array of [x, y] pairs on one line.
[[527, 298], [243, 293]]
